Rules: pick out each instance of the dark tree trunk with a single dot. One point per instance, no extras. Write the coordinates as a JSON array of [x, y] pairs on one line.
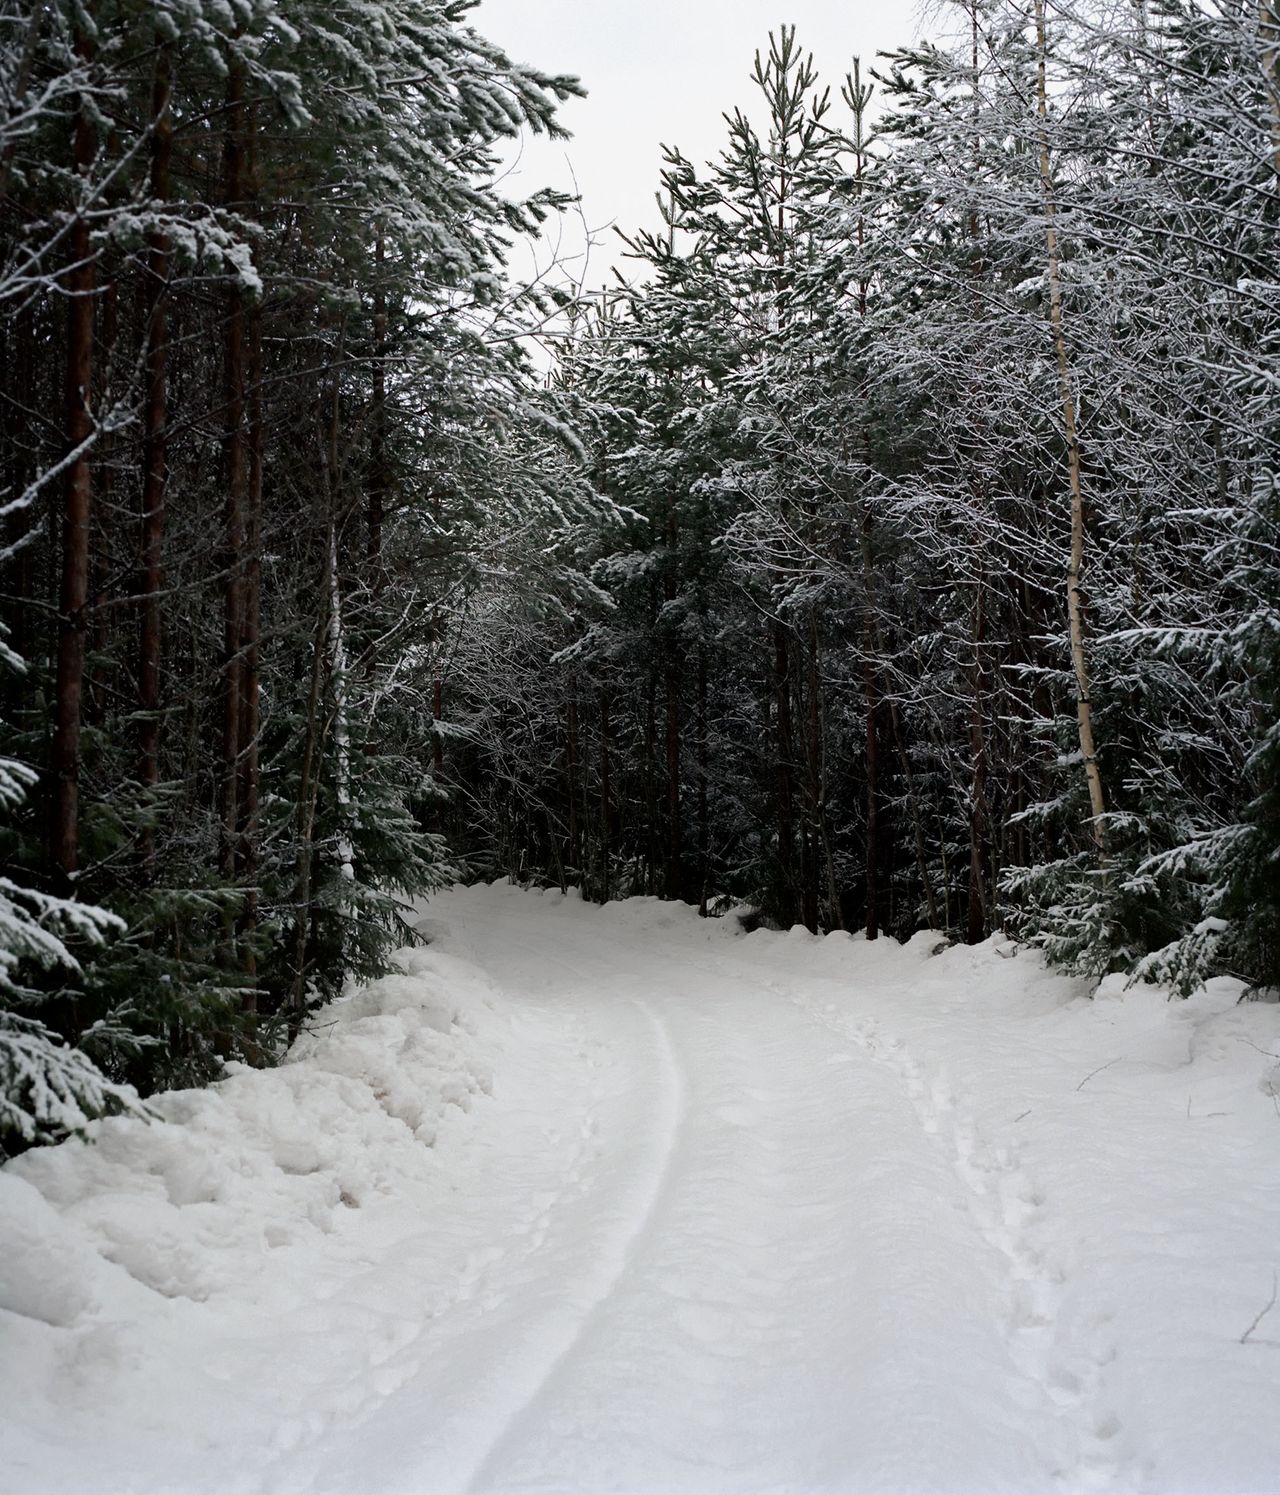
[[308, 798], [18, 378], [571, 776], [650, 781], [818, 729], [675, 830], [979, 831], [872, 702], [784, 796], [913, 800], [236, 465], [77, 500], [437, 712], [378, 483], [605, 798], [250, 672], [154, 445], [99, 663], [704, 768], [813, 771]]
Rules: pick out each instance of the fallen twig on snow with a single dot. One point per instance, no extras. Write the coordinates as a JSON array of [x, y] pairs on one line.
[[1275, 1285], [1093, 1072]]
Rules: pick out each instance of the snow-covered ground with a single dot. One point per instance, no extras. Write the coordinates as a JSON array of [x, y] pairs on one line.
[[623, 1200]]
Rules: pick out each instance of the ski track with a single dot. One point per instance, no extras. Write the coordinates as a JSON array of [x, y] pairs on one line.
[[1008, 1209], [301, 1452], [613, 1258]]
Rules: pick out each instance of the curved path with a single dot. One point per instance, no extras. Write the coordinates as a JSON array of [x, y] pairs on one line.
[[690, 1213], [716, 1242], [623, 1200]]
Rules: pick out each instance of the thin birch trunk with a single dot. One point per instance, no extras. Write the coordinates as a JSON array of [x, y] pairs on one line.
[[341, 724], [337, 634], [1075, 568], [308, 795]]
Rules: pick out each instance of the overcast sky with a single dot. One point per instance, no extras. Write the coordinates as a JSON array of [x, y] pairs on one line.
[[663, 71]]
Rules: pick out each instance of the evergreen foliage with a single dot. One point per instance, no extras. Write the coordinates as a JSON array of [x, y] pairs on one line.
[[945, 439], [261, 376], [895, 548]]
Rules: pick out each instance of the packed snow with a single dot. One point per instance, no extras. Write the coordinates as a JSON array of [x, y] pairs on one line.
[[620, 1199]]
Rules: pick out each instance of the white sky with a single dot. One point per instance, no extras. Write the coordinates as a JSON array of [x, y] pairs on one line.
[[662, 71]]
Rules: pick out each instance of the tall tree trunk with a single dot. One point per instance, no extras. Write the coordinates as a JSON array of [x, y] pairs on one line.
[[308, 798], [99, 663], [77, 500], [331, 467], [674, 874], [236, 476], [17, 379], [917, 822], [437, 716], [835, 918], [704, 769], [378, 484], [871, 723], [571, 776], [650, 781], [327, 659], [341, 721], [605, 798], [813, 777], [675, 829], [979, 822], [1075, 566], [247, 791], [155, 444], [784, 748], [871, 696]]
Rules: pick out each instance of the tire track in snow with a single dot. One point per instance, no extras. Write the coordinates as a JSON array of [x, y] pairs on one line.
[[298, 1460], [611, 1263], [1070, 1381]]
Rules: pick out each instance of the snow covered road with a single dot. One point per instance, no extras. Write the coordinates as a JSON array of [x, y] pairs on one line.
[[742, 1311], [741, 1213]]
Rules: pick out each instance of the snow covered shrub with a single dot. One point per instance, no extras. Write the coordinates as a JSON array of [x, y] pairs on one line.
[[47, 1088]]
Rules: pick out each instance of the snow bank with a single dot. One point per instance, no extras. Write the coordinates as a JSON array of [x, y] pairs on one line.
[[139, 1229]]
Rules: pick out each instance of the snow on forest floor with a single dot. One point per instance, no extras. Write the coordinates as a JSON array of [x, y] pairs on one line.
[[620, 1199]]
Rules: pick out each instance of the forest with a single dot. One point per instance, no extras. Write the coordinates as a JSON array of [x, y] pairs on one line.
[[895, 546]]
